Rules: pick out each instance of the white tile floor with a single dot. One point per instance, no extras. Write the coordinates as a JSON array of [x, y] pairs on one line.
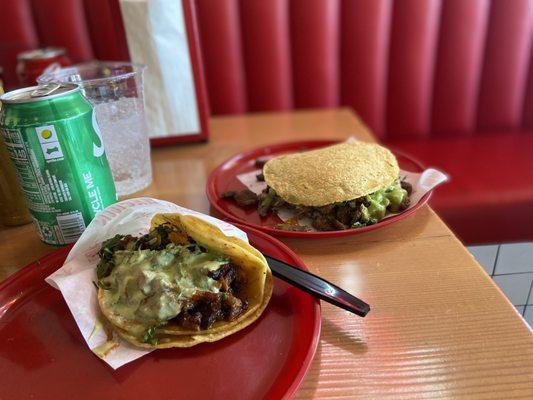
[[514, 258], [511, 267]]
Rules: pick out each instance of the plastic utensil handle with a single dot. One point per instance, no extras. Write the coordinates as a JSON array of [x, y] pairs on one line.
[[317, 286]]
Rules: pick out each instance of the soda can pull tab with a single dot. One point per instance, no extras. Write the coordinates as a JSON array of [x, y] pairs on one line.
[[45, 90]]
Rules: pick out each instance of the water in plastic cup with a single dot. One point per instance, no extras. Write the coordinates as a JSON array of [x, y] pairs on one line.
[[116, 91]]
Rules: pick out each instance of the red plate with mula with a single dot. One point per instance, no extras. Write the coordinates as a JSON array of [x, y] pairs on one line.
[[224, 178], [44, 356]]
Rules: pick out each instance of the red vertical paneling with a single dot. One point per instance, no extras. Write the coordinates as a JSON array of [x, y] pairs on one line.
[[505, 66], [222, 53], [365, 26], [17, 34], [459, 65], [527, 113], [62, 23], [415, 26], [106, 30], [266, 46], [315, 52]]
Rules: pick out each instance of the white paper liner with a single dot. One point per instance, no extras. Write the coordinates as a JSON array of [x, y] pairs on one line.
[[422, 183], [75, 278]]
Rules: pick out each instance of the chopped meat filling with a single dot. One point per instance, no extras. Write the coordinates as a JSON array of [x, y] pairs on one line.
[[243, 197], [230, 194], [206, 308], [260, 163], [407, 186], [405, 203], [363, 211], [226, 275]]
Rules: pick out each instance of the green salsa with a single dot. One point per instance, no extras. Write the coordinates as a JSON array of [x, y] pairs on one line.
[[379, 202], [150, 286]]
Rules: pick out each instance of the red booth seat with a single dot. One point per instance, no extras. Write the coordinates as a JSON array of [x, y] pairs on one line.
[[490, 194], [88, 29], [431, 77]]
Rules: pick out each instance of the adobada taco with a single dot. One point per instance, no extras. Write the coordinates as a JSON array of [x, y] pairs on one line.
[[343, 186], [181, 284]]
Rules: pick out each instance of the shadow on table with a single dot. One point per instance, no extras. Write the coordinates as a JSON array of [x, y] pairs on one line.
[[338, 337], [333, 335]]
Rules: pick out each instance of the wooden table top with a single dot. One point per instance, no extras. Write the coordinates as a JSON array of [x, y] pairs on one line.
[[439, 327]]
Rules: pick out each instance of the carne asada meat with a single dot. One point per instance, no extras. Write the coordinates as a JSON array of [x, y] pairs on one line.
[[405, 203], [243, 198], [229, 194], [206, 308], [226, 275], [407, 186], [363, 211], [260, 162]]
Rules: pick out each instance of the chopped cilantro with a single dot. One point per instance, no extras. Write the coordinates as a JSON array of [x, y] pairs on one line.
[[149, 336]]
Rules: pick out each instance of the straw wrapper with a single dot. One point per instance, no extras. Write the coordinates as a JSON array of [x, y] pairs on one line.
[[75, 278]]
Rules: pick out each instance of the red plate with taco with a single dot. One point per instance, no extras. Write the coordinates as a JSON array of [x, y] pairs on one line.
[[320, 188]]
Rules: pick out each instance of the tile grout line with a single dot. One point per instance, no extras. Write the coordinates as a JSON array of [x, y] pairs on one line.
[[528, 297], [513, 273], [495, 261]]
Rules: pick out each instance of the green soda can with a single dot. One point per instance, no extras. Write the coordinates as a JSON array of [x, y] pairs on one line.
[[56, 147]]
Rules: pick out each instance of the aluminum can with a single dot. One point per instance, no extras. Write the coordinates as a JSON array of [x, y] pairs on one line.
[[33, 63], [13, 210], [56, 147]]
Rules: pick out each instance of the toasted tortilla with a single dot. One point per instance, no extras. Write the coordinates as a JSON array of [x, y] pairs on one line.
[[250, 261], [332, 174]]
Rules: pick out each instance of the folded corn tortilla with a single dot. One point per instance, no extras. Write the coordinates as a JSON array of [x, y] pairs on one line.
[[256, 291], [337, 173]]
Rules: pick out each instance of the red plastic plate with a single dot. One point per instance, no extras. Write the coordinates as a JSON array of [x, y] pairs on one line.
[[224, 178], [44, 356]]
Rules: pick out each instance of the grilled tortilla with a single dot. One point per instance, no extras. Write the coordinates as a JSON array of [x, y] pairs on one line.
[[182, 284], [333, 174], [344, 186]]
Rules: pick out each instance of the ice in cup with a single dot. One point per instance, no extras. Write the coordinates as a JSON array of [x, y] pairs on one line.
[[116, 91]]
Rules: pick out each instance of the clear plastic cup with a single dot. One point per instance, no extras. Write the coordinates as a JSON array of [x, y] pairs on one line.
[[116, 91]]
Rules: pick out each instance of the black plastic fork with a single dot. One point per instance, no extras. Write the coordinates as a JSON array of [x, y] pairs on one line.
[[317, 287]]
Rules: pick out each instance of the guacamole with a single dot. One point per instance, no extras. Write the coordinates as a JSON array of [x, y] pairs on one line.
[[151, 285], [376, 205]]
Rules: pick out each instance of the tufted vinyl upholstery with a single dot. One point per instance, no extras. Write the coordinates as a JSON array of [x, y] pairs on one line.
[[411, 68], [86, 28]]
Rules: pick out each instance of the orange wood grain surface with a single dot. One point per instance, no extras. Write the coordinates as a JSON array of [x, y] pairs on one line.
[[439, 327]]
